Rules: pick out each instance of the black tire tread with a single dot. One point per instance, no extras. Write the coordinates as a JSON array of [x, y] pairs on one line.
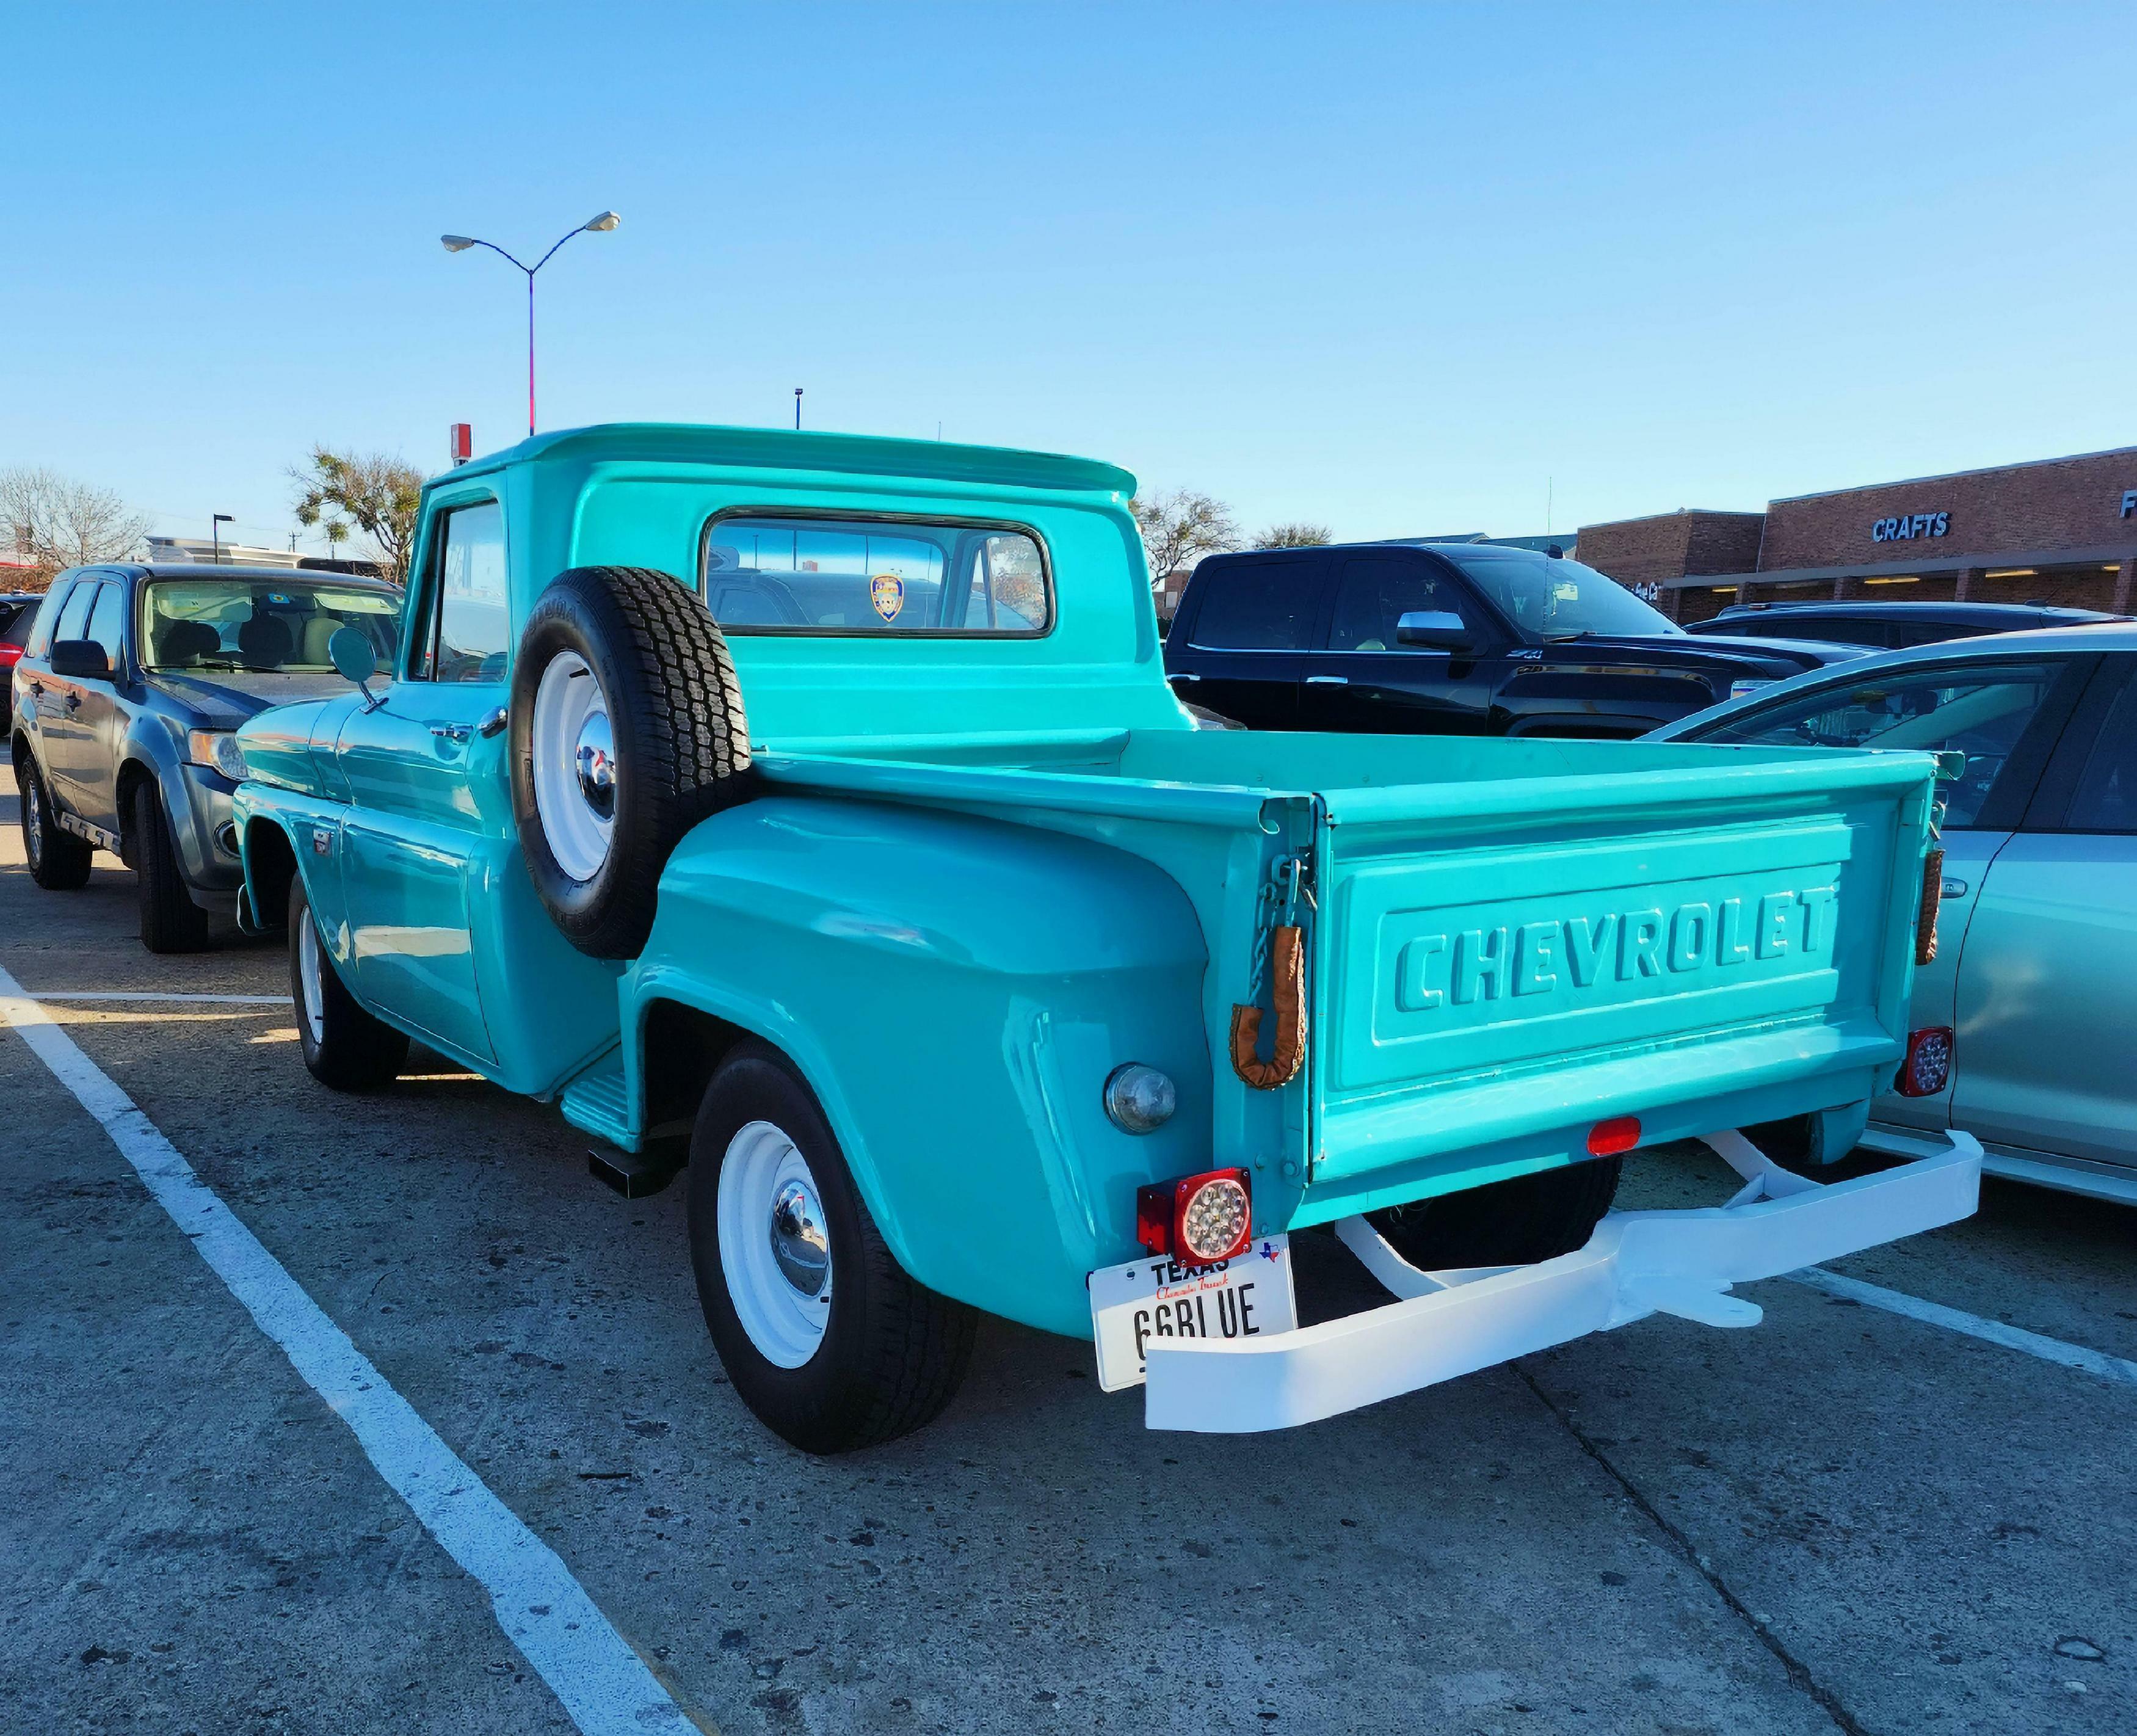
[[171, 922]]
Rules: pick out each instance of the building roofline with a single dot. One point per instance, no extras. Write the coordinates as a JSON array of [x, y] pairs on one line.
[[1985, 470], [1681, 512]]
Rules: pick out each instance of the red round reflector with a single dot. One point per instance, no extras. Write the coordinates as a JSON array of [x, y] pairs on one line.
[[1607, 1138]]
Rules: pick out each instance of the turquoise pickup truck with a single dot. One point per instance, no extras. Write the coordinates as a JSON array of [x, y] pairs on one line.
[[811, 812]]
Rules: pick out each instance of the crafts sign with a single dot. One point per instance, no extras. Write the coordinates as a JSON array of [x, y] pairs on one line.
[[887, 592], [1903, 530]]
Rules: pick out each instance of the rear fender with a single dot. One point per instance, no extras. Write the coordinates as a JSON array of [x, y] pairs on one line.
[[956, 992]]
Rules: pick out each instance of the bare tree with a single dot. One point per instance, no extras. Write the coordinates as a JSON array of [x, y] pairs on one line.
[[1181, 527], [376, 492], [58, 523], [1294, 536]]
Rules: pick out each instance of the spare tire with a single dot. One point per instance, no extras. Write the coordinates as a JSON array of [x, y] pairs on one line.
[[627, 729]]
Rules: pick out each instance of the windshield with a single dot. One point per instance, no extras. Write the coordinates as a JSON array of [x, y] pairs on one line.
[[260, 625], [1555, 599]]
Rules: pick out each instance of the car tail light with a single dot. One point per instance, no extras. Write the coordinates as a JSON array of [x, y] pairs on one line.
[[10, 655], [1927, 1069], [1198, 1219], [1607, 1138]]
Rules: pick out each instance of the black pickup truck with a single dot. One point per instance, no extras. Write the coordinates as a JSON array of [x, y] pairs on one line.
[[1449, 639]]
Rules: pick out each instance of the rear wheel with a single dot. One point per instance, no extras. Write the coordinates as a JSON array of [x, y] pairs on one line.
[[171, 922], [825, 1336], [343, 1046], [1514, 1222], [59, 861]]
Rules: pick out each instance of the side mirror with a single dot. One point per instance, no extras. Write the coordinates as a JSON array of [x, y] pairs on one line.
[[80, 660], [354, 658], [1433, 630]]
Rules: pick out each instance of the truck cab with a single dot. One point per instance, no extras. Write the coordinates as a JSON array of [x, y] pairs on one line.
[[809, 815]]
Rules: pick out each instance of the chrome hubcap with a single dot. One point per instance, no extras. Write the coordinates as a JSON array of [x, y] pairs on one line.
[[33, 819], [798, 1242], [595, 762]]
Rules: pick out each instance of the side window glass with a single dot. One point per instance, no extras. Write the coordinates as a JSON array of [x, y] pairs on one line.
[[467, 629], [107, 621], [2107, 796], [1980, 709], [1259, 606], [74, 612], [1374, 592]]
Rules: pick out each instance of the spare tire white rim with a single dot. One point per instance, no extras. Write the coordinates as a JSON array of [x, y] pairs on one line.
[[575, 766], [775, 1248]]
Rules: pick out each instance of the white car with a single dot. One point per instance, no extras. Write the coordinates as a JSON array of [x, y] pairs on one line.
[[2036, 971]]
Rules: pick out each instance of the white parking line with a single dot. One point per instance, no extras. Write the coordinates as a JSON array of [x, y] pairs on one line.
[[1972, 1326], [604, 1685], [62, 994]]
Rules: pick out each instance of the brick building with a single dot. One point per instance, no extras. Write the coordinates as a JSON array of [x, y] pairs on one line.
[[2059, 530]]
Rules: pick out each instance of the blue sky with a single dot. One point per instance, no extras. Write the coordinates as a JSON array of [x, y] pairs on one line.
[[1401, 269]]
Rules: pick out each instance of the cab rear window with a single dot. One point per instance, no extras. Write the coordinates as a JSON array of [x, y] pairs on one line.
[[770, 572]]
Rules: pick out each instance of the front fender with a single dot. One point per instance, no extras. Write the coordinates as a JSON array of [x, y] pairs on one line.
[[956, 992]]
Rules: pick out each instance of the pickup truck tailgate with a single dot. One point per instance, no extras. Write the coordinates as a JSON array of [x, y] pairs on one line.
[[1494, 963]]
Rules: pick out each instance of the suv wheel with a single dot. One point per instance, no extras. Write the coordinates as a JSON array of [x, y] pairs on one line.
[[171, 922], [343, 1046], [59, 861], [825, 1336]]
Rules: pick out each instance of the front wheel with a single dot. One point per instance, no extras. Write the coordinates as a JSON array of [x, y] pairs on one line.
[[343, 1046], [825, 1336], [1514, 1222], [171, 922]]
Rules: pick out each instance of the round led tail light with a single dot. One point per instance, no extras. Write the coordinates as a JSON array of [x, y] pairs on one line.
[[1927, 1069], [1215, 1220]]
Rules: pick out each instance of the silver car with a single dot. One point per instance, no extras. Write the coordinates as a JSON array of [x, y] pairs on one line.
[[2036, 971]]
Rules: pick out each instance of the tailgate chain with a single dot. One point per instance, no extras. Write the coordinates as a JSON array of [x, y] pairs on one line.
[[1280, 960]]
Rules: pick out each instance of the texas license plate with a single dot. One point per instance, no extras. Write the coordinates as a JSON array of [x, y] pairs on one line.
[[1153, 1299]]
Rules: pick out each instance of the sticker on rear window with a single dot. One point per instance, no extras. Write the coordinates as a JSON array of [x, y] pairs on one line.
[[887, 592]]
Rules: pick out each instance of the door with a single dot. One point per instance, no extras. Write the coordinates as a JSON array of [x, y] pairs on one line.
[[1367, 681], [427, 785], [2048, 984], [1254, 620], [62, 729], [2006, 718], [100, 724]]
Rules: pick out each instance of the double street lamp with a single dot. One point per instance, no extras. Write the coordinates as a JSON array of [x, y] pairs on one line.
[[461, 243]]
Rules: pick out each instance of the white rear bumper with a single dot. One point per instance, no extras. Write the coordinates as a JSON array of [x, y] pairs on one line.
[[1637, 1263]]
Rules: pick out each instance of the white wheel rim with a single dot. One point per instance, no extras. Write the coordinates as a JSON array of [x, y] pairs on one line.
[[574, 761], [784, 1322], [309, 967]]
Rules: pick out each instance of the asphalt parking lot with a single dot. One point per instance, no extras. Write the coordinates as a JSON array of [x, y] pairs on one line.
[[1845, 1518]]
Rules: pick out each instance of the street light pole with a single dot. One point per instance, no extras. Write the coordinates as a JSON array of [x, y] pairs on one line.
[[215, 523], [600, 225], [797, 409]]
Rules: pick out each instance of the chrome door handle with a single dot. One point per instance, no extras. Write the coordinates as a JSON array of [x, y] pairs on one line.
[[450, 731], [1183, 677], [1328, 680], [1954, 889], [494, 723]]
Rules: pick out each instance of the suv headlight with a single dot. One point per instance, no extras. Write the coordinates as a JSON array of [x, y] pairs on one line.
[[1737, 689], [217, 750]]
